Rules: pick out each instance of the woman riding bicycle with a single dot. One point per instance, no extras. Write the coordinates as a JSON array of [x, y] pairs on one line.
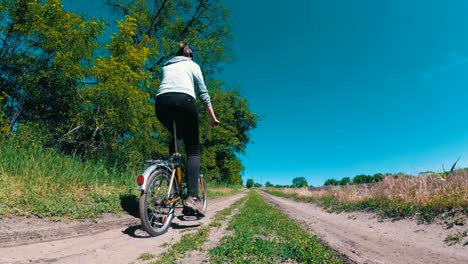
[[175, 102]]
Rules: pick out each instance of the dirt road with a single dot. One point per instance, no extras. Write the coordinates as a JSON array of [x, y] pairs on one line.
[[363, 239], [111, 240]]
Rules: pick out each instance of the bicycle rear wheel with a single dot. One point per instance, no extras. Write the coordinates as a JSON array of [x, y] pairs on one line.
[[156, 216]]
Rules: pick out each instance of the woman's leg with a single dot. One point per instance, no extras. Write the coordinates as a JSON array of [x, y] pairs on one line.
[[190, 134], [182, 108], [166, 112]]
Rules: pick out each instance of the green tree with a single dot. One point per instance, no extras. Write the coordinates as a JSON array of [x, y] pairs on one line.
[[221, 145], [44, 51], [98, 101], [378, 177], [268, 184], [249, 183], [299, 182], [331, 182], [345, 181], [119, 116], [257, 185], [360, 179]]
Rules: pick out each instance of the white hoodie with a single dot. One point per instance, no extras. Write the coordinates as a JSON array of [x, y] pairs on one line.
[[181, 75]]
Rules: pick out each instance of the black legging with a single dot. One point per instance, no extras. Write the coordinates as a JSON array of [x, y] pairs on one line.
[[181, 108]]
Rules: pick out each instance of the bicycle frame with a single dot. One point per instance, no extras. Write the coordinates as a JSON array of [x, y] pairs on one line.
[[174, 170]]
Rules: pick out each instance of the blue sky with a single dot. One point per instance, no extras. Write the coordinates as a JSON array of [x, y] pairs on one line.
[[350, 87]]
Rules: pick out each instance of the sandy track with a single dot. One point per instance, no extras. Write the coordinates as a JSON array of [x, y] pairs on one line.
[[361, 238], [117, 240]]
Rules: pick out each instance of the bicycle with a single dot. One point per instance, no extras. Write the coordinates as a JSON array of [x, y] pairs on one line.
[[161, 189]]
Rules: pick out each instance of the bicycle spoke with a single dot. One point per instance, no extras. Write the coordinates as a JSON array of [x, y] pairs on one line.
[[159, 214]]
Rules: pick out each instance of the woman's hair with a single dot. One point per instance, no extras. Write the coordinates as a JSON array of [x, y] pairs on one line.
[[184, 50]]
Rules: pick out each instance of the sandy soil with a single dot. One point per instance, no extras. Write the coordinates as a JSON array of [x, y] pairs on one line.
[[361, 238], [109, 240]]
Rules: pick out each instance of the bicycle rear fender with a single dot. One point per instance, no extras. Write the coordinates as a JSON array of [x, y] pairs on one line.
[[148, 173]]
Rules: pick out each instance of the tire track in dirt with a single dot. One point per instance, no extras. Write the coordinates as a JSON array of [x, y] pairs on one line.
[[121, 242], [363, 239]]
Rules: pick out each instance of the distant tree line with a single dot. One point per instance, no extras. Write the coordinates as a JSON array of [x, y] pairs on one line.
[[300, 182], [359, 179]]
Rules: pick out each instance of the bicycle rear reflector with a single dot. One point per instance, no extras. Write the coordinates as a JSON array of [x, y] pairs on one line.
[[140, 179]]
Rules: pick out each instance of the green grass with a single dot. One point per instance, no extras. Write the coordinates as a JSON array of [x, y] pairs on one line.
[[263, 234], [457, 238], [392, 209], [216, 190], [42, 182], [146, 256], [194, 241]]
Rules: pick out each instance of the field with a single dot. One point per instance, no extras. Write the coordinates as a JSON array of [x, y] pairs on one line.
[[424, 197]]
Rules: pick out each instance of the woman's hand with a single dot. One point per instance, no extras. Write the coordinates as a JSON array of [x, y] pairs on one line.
[[214, 122]]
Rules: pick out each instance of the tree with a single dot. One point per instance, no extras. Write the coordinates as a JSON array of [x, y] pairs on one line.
[[345, 181], [249, 183], [268, 184], [378, 177], [330, 182], [221, 145], [147, 36], [360, 179], [299, 182], [95, 99], [44, 51], [257, 185]]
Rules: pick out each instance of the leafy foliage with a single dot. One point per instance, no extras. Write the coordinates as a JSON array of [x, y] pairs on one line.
[[299, 182], [358, 179], [61, 83], [249, 183]]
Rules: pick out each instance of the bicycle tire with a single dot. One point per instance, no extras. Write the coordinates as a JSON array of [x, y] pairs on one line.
[[155, 216]]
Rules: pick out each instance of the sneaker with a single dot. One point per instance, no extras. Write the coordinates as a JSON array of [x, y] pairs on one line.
[[195, 204]]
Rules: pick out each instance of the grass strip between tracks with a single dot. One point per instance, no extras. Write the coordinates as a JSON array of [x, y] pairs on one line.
[[263, 234]]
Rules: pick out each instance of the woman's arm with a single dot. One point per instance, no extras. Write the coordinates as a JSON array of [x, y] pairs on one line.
[[203, 93], [214, 120]]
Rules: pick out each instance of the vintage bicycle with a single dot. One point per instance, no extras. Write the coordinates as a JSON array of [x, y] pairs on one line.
[[161, 189]]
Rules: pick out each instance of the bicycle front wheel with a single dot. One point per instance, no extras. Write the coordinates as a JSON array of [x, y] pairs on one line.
[[155, 214]]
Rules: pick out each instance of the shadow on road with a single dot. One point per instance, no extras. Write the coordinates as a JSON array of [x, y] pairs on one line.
[[129, 203], [136, 231], [177, 226]]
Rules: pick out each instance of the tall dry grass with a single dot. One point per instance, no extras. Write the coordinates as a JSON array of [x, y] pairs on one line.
[[421, 191]]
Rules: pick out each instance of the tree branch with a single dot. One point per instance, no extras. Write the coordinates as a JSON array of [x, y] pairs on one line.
[[181, 33], [119, 6], [69, 132], [156, 18]]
